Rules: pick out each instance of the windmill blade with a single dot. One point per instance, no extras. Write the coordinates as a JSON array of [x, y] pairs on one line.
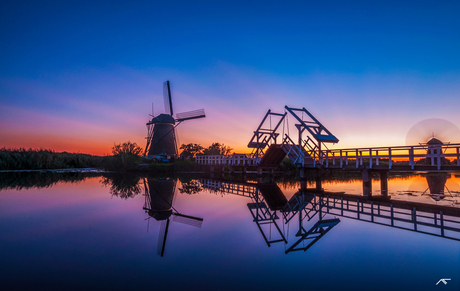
[[148, 223], [162, 237], [189, 220], [167, 98], [194, 114]]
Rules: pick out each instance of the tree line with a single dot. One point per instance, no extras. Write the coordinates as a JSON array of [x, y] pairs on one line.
[[192, 149]]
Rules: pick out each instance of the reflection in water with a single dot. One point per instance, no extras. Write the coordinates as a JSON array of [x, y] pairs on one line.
[[122, 185], [77, 237], [436, 185], [440, 187], [42, 179], [306, 204], [267, 201], [269, 207], [159, 199]]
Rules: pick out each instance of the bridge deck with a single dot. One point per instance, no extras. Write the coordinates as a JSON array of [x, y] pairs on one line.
[[444, 157]]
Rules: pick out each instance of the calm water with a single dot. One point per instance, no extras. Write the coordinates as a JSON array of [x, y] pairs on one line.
[[99, 233]]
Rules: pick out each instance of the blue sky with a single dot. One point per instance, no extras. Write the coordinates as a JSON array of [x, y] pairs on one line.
[[79, 76]]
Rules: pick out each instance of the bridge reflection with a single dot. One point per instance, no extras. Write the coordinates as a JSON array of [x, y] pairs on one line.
[[270, 207]]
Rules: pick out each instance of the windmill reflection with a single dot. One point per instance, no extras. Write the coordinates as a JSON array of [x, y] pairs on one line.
[[159, 200], [437, 185]]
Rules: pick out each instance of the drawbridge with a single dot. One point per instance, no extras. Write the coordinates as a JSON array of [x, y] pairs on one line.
[[312, 137]]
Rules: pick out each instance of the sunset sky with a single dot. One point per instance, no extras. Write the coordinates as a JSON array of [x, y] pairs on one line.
[[80, 76]]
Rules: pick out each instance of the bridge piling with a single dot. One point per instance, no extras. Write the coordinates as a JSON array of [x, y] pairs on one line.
[[367, 183], [319, 186], [302, 173], [384, 183]]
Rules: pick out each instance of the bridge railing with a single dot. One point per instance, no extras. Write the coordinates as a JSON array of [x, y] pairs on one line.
[[435, 223], [432, 155], [240, 189], [224, 160]]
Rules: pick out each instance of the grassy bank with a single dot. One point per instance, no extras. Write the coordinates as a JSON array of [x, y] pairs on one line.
[[32, 159]]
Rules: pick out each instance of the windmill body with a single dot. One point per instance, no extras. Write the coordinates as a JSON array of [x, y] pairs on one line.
[[161, 138], [161, 196]]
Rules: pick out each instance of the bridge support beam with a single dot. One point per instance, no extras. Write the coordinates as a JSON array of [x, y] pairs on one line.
[[384, 183], [303, 185], [319, 186], [367, 183], [302, 173]]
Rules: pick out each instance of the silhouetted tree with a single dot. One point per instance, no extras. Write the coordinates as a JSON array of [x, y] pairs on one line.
[[190, 150], [126, 148], [217, 149], [125, 155]]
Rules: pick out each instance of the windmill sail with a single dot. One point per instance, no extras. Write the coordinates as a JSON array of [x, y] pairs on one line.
[[161, 138], [167, 98], [187, 219], [162, 237], [194, 114]]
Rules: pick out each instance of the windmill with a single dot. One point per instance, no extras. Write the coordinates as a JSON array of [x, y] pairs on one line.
[[159, 198], [161, 136]]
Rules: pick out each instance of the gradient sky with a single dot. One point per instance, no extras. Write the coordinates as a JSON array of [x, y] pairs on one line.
[[80, 76]]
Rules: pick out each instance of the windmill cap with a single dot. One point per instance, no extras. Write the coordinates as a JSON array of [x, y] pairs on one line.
[[160, 215], [163, 118], [434, 141]]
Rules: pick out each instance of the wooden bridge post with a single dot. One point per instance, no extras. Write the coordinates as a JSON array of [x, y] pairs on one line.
[[384, 183], [411, 158], [458, 156], [341, 159], [370, 158], [367, 183], [357, 159], [390, 161], [439, 157]]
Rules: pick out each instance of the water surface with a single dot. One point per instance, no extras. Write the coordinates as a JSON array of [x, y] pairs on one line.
[[99, 232]]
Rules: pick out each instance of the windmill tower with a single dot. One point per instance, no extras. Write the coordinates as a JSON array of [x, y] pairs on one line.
[[161, 138]]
